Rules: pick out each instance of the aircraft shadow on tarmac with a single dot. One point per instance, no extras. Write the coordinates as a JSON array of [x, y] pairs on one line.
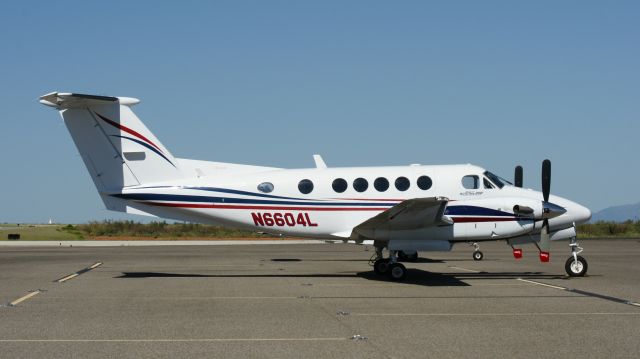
[[414, 277], [419, 260]]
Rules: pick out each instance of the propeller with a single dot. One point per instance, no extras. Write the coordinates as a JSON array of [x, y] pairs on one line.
[[517, 177], [549, 210], [545, 243], [546, 179]]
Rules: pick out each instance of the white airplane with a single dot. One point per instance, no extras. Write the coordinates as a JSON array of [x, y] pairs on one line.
[[404, 209]]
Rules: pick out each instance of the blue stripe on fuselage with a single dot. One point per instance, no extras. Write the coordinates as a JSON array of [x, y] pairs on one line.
[[207, 199], [474, 211]]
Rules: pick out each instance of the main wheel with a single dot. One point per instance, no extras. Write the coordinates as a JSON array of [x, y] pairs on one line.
[[381, 266], [576, 268], [477, 256], [397, 271]]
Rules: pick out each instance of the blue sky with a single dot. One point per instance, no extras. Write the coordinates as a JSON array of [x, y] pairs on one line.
[[494, 83]]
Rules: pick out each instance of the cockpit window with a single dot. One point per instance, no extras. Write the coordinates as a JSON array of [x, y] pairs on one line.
[[499, 181], [471, 182], [487, 183]]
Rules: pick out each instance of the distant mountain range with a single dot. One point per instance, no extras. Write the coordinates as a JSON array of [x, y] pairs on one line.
[[618, 213]]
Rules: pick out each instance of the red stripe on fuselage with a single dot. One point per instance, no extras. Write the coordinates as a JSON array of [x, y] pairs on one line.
[[369, 199], [233, 206], [483, 219]]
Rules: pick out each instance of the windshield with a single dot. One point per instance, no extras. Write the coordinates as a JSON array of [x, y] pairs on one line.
[[499, 181]]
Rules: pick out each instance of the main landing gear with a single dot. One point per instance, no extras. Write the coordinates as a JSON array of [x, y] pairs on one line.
[[575, 266], [477, 255], [389, 266]]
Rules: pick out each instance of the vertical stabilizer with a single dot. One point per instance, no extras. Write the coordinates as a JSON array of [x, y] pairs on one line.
[[116, 147]]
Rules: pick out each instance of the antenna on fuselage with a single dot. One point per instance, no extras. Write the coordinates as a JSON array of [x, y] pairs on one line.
[[319, 161]]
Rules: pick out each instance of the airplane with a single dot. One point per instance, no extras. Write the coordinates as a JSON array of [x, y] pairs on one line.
[[400, 209]]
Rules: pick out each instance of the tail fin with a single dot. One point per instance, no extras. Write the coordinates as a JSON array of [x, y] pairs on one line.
[[116, 147]]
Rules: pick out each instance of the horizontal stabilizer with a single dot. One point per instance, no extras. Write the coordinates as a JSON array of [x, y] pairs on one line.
[[78, 100]]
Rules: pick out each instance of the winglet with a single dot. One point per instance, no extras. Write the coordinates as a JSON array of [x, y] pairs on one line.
[[319, 162]]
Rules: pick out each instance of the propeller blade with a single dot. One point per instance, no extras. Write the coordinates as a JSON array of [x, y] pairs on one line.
[[517, 178], [545, 243], [546, 179]]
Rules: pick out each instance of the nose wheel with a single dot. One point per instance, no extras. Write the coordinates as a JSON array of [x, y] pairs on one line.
[[575, 266], [477, 254]]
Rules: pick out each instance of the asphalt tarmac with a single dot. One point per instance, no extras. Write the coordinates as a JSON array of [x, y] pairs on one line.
[[315, 301]]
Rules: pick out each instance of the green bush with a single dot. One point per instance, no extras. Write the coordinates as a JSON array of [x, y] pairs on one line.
[[159, 230]]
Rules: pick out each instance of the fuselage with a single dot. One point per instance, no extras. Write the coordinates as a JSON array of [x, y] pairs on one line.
[[330, 202]]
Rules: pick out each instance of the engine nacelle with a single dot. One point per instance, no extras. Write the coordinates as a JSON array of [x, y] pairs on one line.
[[526, 207]]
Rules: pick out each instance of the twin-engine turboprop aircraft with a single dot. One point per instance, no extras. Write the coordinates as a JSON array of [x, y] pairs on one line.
[[404, 209]]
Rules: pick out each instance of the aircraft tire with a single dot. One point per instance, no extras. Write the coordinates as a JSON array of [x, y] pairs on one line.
[[477, 256], [381, 266], [576, 268], [397, 272]]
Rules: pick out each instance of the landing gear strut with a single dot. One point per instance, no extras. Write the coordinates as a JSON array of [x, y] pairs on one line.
[[575, 266], [477, 255]]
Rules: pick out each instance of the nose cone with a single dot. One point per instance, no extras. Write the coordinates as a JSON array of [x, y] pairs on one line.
[[581, 214], [575, 212]]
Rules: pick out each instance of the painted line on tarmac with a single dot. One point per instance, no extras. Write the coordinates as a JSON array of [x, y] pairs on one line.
[[486, 314], [67, 278], [584, 293], [571, 290], [22, 299], [465, 269], [73, 275], [169, 340], [541, 284]]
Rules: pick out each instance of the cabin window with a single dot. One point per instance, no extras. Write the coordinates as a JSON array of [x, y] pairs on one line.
[[360, 184], [339, 185], [266, 187], [381, 184], [471, 182], [402, 183], [305, 186], [424, 182]]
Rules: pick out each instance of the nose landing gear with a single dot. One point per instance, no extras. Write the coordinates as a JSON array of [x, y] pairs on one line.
[[575, 266], [477, 254]]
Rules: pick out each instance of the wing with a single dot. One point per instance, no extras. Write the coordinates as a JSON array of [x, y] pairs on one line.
[[410, 214]]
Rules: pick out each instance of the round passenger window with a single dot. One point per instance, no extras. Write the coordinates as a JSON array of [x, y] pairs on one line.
[[360, 184], [381, 184], [265, 187], [339, 185], [305, 186], [424, 182], [402, 183]]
